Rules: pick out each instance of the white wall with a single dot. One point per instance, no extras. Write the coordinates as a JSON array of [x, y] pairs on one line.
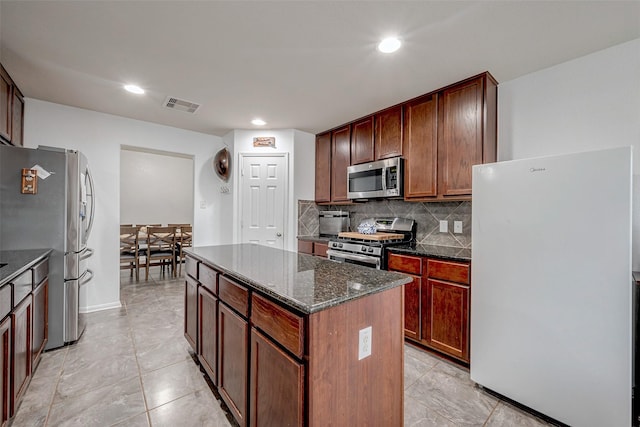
[[155, 188], [100, 136], [585, 104], [301, 148]]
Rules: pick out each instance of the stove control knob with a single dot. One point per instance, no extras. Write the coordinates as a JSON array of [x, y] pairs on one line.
[[364, 249], [370, 250], [339, 245]]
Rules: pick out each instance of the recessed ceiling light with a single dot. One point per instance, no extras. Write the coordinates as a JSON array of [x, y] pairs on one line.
[[258, 122], [134, 89], [388, 45]]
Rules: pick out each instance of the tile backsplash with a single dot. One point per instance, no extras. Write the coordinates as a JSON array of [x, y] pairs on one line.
[[426, 215]]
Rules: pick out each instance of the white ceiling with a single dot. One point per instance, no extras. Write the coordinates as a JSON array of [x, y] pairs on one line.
[[308, 65]]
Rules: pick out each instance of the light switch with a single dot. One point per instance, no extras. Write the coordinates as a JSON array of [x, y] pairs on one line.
[[203, 204], [457, 227], [444, 226]]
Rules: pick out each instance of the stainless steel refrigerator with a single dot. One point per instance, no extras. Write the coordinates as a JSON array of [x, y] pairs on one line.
[[58, 216], [551, 295]]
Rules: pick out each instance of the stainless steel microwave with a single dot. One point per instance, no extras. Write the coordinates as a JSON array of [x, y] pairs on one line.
[[383, 178]]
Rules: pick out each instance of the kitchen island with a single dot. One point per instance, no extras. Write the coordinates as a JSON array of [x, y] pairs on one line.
[[290, 339]]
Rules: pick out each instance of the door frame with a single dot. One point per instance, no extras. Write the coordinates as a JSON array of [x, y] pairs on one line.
[[238, 202]]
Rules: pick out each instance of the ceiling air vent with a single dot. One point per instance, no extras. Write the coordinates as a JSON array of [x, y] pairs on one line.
[[181, 104]]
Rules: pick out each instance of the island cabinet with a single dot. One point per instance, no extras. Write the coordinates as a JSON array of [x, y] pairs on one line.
[[436, 303], [233, 347], [281, 365], [208, 321], [40, 274]]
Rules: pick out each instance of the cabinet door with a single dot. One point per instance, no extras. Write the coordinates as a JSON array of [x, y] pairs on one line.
[[277, 385], [208, 332], [362, 141], [388, 134], [40, 321], [340, 160], [412, 300], [5, 104], [305, 247], [320, 249], [323, 167], [5, 369], [191, 312], [420, 148], [460, 138], [21, 346], [17, 116], [447, 322], [233, 349]]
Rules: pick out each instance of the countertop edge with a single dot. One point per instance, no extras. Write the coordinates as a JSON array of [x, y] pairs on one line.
[[303, 309], [24, 266], [429, 254]]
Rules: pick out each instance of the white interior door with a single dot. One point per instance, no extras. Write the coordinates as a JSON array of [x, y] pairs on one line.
[[263, 181]]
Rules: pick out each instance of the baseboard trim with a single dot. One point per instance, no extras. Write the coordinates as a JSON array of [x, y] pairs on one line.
[[100, 307]]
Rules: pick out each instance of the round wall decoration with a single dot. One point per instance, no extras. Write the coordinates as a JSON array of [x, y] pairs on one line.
[[222, 164]]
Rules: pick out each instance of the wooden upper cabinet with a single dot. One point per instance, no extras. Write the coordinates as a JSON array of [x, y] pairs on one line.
[[388, 133], [17, 117], [340, 160], [362, 141], [421, 147], [323, 167], [466, 135], [5, 104]]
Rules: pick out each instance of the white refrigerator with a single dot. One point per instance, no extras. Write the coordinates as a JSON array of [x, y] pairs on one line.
[[551, 294]]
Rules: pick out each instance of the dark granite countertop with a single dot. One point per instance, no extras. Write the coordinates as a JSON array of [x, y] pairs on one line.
[[321, 239], [443, 252], [304, 282], [19, 261]]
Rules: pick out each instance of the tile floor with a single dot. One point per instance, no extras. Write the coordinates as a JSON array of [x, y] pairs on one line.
[[133, 367]]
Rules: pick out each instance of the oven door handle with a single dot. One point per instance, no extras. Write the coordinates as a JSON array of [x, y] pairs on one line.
[[355, 257]]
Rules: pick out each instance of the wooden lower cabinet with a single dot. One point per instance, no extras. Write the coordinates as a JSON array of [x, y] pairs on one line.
[[5, 370], [233, 352], [207, 327], [40, 321], [21, 322], [436, 303], [277, 385], [412, 300], [310, 247], [447, 327], [191, 312]]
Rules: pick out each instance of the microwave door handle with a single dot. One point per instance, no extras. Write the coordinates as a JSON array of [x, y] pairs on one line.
[[384, 178]]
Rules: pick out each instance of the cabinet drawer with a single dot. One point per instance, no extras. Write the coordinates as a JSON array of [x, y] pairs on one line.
[[208, 277], [5, 301], [40, 271], [234, 295], [22, 286], [279, 323], [448, 270], [320, 249], [405, 263], [191, 267], [305, 247]]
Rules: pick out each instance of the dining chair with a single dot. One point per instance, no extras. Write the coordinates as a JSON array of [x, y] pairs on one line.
[[184, 240], [129, 259], [160, 248]]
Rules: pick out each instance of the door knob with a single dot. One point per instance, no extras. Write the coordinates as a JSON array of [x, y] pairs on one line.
[[279, 234]]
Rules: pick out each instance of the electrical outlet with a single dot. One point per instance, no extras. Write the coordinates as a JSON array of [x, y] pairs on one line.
[[364, 343], [457, 227], [444, 226]]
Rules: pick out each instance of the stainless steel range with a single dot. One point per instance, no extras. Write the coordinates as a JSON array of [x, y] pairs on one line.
[[369, 249]]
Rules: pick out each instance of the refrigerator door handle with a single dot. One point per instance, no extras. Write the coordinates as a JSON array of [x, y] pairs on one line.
[[84, 280], [93, 202], [88, 253]]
